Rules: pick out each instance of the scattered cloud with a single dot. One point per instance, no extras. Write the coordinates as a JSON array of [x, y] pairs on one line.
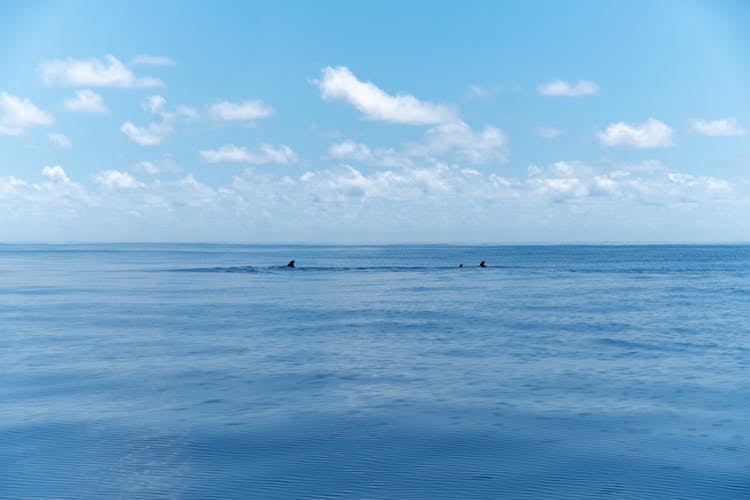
[[348, 183], [156, 131], [707, 183], [633, 184], [414, 199], [151, 60], [358, 152], [247, 111], [59, 140], [114, 179], [17, 114], [461, 143], [56, 195], [562, 88], [350, 150], [651, 134], [264, 154], [448, 138], [453, 141], [165, 164], [85, 101], [724, 127], [154, 104], [377, 105], [93, 73], [150, 135], [548, 132]]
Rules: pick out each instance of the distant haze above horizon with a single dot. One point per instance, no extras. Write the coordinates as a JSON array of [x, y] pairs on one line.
[[535, 121]]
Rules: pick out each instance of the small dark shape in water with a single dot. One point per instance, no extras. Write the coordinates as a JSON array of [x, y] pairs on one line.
[[461, 265], [291, 264], [481, 264]]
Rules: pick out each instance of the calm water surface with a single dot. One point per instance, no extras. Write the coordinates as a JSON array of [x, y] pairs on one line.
[[205, 371]]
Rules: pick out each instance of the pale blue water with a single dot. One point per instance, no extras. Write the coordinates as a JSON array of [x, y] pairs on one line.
[[153, 371]]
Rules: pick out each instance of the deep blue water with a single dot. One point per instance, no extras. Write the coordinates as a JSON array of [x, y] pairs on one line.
[[205, 371]]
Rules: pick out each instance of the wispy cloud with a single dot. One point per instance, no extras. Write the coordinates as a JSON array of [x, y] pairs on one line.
[[651, 134], [17, 114], [563, 88], [93, 73], [375, 104], [724, 127], [485, 91], [59, 140], [263, 154], [247, 111], [454, 141], [462, 143], [165, 164], [548, 132], [350, 150], [151, 60], [85, 101]]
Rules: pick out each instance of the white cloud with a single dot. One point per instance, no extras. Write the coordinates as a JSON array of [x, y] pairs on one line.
[[707, 183], [350, 150], [56, 193], [461, 143], [92, 73], [454, 141], [566, 200], [562, 88], [151, 60], [449, 137], [114, 179], [375, 104], [85, 101], [17, 114], [724, 127], [565, 180], [359, 152], [55, 173], [149, 135], [651, 134], [264, 154], [349, 184], [548, 132], [636, 185], [166, 164], [59, 140], [241, 111], [156, 131], [154, 104]]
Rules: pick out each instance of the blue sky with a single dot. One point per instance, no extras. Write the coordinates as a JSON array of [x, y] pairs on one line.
[[380, 122]]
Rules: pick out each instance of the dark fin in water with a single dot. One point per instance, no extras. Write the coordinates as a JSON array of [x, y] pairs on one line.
[[461, 265], [291, 264], [481, 264]]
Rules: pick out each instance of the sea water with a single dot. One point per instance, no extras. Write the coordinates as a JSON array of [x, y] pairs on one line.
[[213, 371]]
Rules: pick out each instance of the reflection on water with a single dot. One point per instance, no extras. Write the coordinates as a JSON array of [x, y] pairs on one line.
[[374, 372]]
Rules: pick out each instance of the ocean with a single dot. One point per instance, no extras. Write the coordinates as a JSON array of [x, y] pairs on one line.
[[213, 371]]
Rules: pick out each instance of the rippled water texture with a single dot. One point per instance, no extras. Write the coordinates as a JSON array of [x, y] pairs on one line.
[[208, 371]]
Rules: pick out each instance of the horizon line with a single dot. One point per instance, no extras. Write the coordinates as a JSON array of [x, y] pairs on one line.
[[386, 243]]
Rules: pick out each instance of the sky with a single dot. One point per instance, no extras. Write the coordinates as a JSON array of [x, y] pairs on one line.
[[375, 122]]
